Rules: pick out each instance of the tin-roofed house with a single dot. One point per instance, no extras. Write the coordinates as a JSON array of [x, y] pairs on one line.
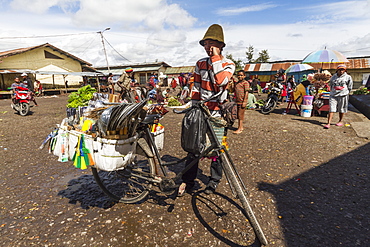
[[46, 63]]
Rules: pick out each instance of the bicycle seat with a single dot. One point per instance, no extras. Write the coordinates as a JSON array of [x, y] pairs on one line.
[[149, 119]]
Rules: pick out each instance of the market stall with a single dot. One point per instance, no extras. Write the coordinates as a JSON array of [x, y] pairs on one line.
[[321, 92]]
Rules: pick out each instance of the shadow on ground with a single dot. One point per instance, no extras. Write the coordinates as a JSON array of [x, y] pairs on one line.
[[84, 190], [224, 219], [328, 205]]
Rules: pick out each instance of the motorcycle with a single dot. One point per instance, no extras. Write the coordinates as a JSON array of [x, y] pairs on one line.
[[272, 98], [21, 101]]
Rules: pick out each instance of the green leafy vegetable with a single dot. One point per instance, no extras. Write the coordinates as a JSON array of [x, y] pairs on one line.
[[81, 97]]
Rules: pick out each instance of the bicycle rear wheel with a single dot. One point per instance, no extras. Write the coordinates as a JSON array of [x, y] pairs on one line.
[[128, 185], [236, 184]]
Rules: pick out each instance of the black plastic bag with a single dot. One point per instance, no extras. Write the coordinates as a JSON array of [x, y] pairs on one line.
[[193, 131]]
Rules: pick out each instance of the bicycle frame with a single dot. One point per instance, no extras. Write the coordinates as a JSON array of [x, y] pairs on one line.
[[215, 145], [148, 177]]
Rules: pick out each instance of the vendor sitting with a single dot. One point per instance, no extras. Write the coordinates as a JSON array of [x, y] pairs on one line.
[[300, 91]]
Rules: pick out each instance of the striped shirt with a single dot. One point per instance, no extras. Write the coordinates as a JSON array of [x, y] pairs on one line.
[[210, 76], [241, 88]]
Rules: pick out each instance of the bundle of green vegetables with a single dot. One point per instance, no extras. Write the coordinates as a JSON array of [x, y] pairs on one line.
[[363, 90], [81, 97], [173, 102]]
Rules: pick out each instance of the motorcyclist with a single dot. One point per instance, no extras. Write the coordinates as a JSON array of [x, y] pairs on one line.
[[14, 87], [27, 81], [29, 85]]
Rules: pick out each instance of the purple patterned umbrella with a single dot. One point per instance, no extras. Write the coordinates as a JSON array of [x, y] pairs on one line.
[[298, 68], [325, 56]]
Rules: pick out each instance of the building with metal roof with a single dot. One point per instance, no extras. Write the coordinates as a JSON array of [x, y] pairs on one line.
[[46, 63], [357, 67]]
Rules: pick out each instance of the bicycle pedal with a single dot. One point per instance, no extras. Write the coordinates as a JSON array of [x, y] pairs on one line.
[[167, 186]]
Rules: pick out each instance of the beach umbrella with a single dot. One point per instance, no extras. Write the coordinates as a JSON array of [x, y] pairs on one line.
[[325, 56], [299, 68]]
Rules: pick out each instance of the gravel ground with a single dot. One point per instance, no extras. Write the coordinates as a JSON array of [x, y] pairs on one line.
[[308, 187]]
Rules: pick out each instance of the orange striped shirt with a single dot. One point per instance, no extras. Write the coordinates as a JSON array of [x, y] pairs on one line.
[[211, 75]]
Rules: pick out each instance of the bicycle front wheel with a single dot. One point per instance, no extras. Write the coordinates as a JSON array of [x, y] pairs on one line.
[[128, 185], [237, 185]]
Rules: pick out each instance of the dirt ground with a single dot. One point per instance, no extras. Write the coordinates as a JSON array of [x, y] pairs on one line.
[[308, 187]]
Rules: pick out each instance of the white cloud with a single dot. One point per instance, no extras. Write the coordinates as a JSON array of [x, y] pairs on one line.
[[153, 29], [337, 12], [42, 6], [145, 14], [241, 10]]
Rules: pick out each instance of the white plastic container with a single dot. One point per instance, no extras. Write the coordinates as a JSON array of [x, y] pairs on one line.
[[306, 110], [159, 138]]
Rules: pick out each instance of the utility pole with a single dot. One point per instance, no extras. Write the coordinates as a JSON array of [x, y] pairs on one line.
[[105, 52]]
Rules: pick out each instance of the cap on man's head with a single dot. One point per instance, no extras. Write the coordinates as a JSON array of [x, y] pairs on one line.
[[24, 74], [128, 70], [214, 32], [342, 66]]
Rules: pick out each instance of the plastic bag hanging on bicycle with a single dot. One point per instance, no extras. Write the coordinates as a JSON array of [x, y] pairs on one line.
[[193, 131]]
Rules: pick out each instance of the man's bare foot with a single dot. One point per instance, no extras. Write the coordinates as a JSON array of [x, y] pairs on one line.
[[238, 131]]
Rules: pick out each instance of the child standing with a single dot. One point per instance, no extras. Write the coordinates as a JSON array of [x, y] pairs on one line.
[[242, 88]]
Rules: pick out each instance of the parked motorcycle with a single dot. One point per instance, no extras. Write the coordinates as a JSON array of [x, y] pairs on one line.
[[21, 101], [271, 102]]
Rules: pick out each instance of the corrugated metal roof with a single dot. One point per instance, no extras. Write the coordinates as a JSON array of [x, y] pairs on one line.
[[22, 50], [19, 71], [354, 63], [179, 70]]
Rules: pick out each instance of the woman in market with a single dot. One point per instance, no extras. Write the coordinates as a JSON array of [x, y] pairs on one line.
[[300, 91], [340, 86]]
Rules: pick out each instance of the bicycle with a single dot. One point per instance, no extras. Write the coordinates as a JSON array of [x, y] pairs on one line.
[[133, 183]]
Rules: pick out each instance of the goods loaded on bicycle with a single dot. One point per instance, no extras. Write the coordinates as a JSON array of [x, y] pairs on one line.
[[121, 141]]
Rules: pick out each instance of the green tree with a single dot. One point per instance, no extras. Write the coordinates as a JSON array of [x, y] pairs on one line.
[[249, 53], [239, 65], [263, 57]]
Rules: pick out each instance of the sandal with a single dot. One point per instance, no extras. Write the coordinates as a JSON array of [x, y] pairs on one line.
[[327, 126], [339, 124]]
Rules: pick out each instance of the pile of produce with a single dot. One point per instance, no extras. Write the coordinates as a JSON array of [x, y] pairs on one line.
[[81, 97], [363, 91], [324, 76], [173, 102], [320, 80]]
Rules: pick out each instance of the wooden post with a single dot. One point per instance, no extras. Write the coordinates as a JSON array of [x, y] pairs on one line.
[[98, 83], [3, 82], [64, 80]]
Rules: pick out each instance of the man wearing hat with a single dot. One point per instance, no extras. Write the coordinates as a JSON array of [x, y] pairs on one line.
[[29, 84], [27, 81], [124, 85], [340, 86], [211, 76]]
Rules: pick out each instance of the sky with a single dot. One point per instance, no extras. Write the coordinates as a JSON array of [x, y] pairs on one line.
[[170, 30]]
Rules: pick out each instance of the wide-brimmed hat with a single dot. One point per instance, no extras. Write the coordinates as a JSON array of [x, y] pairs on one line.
[[214, 32]]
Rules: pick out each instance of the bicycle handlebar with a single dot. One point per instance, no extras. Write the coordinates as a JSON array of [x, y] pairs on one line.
[[200, 103], [182, 111]]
